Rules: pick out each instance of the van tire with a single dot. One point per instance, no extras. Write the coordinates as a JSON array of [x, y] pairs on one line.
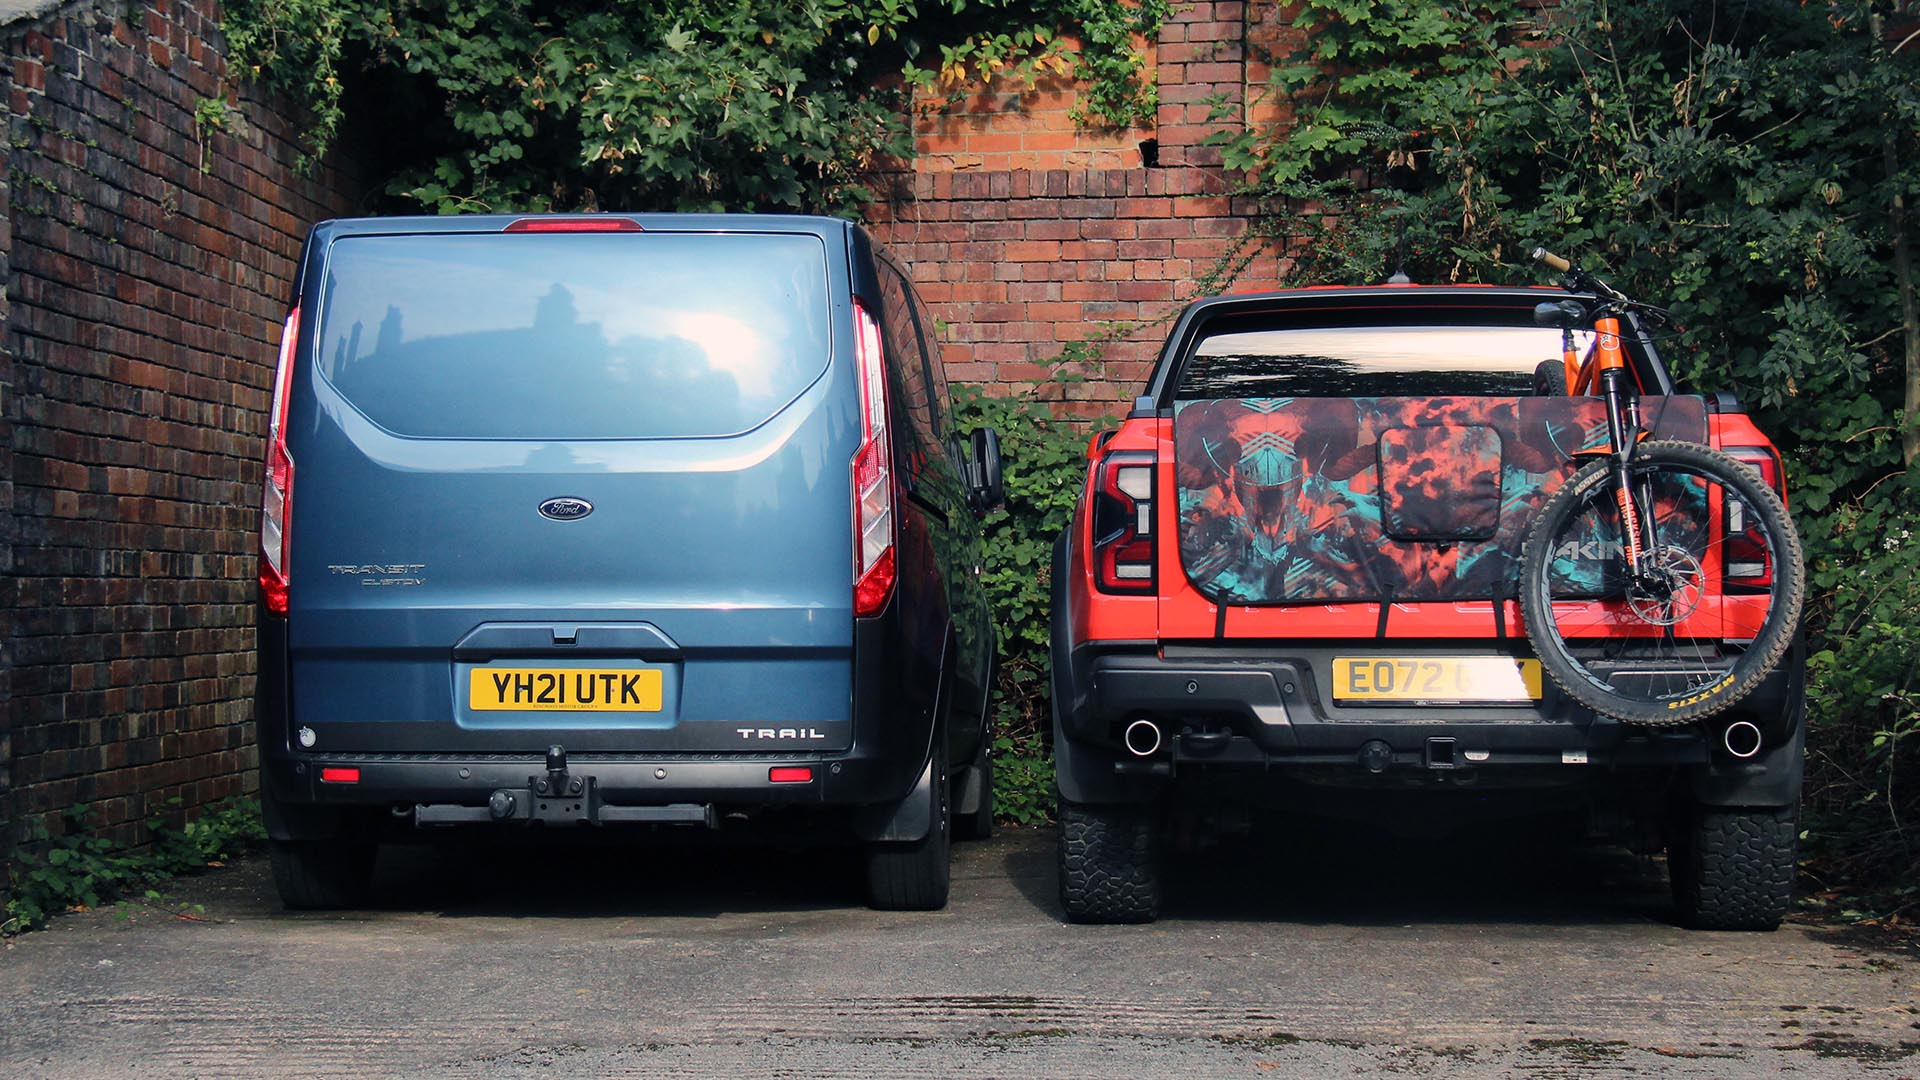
[[322, 875], [1109, 863], [918, 874], [1732, 869]]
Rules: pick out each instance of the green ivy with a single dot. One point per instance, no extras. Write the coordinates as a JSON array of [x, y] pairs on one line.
[[510, 105], [81, 869], [1045, 466], [1742, 171]]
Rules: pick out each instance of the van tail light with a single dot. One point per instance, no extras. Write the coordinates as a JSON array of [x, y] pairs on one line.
[[1123, 540], [873, 557], [1744, 559], [276, 488]]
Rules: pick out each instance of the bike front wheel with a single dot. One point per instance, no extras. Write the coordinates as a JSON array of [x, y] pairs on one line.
[[1709, 613]]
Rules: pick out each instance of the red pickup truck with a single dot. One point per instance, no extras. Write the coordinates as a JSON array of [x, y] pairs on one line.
[[1290, 582]]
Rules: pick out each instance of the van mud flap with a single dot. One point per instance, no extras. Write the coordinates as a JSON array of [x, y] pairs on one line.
[[562, 799]]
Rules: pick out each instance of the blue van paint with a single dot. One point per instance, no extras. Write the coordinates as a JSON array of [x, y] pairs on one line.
[[723, 560]]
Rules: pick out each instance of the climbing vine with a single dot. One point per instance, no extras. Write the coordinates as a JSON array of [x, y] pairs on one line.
[[663, 104]]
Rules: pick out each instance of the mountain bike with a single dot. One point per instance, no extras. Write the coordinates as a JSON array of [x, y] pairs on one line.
[[1663, 582]]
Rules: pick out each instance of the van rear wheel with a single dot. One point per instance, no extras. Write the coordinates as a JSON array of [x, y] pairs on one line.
[[916, 875], [320, 875]]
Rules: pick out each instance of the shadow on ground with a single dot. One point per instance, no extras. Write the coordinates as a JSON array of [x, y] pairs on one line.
[[1317, 872]]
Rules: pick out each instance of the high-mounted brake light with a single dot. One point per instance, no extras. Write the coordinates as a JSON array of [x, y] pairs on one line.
[[1745, 560], [276, 488], [573, 224], [1123, 555], [873, 558]]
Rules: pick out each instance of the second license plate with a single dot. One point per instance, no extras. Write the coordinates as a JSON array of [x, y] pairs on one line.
[[1438, 679], [564, 689]]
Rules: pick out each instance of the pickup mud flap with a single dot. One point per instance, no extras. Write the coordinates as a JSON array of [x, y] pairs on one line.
[[563, 799]]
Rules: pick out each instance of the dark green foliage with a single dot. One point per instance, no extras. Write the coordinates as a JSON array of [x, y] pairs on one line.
[[1046, 462], [82, 869], [1731, 161], [511, 105]]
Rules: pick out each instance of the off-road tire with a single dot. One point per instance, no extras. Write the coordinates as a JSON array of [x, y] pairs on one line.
[[1732, 869], [322, 875], [1109, 863], [916, 875]]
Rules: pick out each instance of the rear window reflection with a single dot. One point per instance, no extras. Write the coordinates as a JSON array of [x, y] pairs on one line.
[[1390, 361], [573, 336]]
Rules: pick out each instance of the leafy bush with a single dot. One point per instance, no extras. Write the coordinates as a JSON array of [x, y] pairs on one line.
[[80, 869], [1045, 464], [1747, 172]]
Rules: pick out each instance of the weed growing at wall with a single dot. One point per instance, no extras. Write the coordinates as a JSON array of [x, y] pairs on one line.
[[79, 869]]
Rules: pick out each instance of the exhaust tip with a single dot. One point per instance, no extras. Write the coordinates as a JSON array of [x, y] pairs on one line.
[[1143, 738], [1741, 738]]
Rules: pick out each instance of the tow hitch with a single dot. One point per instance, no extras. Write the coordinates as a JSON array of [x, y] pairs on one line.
[[561, 799]]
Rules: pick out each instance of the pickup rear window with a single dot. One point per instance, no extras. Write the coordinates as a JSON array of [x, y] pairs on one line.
[[1371, 361], [573, 335]]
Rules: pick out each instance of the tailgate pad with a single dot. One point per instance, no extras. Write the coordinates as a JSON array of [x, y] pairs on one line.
[[1304, 500]]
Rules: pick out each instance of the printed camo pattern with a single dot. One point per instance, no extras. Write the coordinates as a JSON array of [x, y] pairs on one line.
[[1281, 499]]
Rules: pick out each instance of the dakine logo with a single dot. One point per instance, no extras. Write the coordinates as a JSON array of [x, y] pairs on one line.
[[781, 733], [1591, 550]]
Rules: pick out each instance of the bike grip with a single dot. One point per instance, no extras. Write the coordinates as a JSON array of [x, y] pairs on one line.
[[1551, 261]]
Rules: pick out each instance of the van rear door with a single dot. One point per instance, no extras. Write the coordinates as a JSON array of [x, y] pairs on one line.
[[577, 487]]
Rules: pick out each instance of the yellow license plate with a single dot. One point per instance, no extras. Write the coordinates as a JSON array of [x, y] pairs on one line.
[[1437, 679], [564, 689]]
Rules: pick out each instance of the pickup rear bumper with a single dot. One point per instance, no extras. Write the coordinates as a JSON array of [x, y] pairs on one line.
[[1236, 707]]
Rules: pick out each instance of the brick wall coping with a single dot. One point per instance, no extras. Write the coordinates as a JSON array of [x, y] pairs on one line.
[[13, 11]]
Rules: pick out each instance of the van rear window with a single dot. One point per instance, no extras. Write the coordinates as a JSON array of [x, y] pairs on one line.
[[1371, 361], [573, 335]]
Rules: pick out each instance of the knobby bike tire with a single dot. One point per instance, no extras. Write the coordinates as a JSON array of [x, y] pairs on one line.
[[1556, 524]]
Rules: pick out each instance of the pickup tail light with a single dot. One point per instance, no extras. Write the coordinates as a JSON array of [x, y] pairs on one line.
[[276, 486], [1123, 540], [873, 558], [1744, 560]]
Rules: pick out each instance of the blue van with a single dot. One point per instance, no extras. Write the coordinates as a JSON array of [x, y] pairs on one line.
[[617, 520]]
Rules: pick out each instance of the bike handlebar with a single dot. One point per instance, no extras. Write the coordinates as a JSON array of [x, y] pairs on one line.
[[1551, 261]]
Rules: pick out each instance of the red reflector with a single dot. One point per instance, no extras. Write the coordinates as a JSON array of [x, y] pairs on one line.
[[574, 224], [339, 776], [790, 774]]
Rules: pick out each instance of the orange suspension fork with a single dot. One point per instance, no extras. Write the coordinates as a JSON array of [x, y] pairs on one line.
[[1609, 369]]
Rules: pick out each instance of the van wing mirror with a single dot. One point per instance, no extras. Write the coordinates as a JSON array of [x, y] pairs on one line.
[[987, 480]]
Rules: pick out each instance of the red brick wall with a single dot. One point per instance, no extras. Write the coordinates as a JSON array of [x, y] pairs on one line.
[[148, 272], [1025, 232]]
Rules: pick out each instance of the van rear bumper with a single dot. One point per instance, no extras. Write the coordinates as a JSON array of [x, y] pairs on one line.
[[450, 779]]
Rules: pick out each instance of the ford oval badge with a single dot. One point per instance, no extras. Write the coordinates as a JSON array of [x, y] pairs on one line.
[[565, 509]]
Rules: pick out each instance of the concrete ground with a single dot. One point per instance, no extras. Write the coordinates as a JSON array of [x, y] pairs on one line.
[[1348, 953]]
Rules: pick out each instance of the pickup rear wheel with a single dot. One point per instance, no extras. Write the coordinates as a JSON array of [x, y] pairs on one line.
[[1109, 863], [1732, 869], [318, 875]]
